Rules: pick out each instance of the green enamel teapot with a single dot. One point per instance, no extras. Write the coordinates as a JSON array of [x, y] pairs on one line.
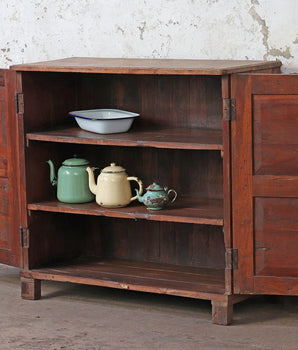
[[71, 181]]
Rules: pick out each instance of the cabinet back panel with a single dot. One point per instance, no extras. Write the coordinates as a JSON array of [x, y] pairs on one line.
[[38, 171], [55, 238], [190, 173], [171, 101], [48, 97], [170, 243], [177, 101]]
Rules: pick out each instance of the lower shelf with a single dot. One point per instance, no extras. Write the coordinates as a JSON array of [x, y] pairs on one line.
[[193, 282]]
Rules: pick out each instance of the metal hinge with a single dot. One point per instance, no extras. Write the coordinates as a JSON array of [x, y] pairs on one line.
[[24, 237], [19, 103], [229, 105], [232, 258]]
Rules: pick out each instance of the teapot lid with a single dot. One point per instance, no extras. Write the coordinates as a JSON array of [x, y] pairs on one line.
[[112, 169], [154, 187], [75, 162]]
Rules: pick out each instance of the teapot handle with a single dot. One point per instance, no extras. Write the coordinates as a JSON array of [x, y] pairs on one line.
[[140, 183], [175, 195]]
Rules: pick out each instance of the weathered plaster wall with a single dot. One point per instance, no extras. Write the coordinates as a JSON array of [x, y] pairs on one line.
[[34, 30]]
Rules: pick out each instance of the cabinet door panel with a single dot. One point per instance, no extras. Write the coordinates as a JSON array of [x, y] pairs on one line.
[[10, 251], [3, 136], [265, 183], [4, 233], [276, 236], [275, 138], [4, 196]]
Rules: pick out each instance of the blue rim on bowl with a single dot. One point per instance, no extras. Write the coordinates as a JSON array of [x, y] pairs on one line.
[[104, 121], [83, 114]]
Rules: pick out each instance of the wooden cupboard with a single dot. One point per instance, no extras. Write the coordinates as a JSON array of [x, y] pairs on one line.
[[221, 133]]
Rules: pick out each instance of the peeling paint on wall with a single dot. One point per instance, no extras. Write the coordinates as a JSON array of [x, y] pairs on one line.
[[273, 52], [34, 30]]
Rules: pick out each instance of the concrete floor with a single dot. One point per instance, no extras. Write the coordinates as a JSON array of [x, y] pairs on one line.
[[77, 317]]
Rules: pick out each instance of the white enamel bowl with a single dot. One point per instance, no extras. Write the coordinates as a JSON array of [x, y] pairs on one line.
[[104, 121]]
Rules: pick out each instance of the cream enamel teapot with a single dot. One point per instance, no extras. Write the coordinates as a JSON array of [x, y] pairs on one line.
[[113, 188]]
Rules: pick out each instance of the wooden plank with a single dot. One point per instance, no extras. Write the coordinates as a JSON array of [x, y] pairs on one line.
[[3, 167], [275, 130], [10, 251], [242, 207], [186, 210], [276, 237], [158, 278], [4, 196], [275, 186], [276, 285], [147, 66], [2, 80], [227, 186], [274, 84], [265, 183], [197, 139]]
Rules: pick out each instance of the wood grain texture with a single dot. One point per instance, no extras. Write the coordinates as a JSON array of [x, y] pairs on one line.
[[276, 237], [188, 210], [242, 184], [181, 141], [275, 186], [177, 138], [10, 251], [275, 134], [4, 196], [265, 228], [148, 277], [147, 66], [4, 236], [30, 288]]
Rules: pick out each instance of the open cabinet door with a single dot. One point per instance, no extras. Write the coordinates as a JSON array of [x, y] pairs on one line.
[[265, 183], [10, 249]]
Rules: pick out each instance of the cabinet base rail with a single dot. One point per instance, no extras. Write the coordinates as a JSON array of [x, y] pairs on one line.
[[191, 282]]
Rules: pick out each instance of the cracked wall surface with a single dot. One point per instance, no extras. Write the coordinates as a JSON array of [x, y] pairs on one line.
[[36, 30]]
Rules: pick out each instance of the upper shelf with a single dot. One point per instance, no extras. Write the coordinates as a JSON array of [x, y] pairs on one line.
[[147, 66], [176, 138]]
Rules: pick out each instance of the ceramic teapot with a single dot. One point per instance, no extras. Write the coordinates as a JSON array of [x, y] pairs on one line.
[[113, 188], [156, 197], [71, 181]]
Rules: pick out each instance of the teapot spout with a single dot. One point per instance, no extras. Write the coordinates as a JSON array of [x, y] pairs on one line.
[[53, 178], [92, 185], [140, 198]]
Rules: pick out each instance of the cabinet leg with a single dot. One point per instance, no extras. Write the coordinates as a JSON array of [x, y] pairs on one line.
[[30, 288], [222, 312]]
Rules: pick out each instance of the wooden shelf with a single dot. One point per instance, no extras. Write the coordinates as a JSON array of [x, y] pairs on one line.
[[176, 138], [185, 281], [185, 210]]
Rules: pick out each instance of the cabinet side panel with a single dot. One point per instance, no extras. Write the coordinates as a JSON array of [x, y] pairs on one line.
[[10, 251]]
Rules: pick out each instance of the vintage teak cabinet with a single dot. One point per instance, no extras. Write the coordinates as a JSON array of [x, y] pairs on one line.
[[223, 134]]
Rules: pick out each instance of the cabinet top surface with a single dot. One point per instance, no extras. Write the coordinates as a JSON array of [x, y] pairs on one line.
[[146, 66]]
